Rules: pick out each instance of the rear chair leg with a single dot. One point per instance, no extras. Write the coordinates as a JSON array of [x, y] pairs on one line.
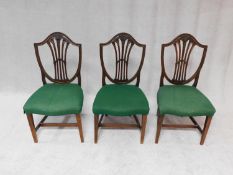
[[143, 128], [159, 126], [96, 126], [79, 123], [32, 127], [206, 128]]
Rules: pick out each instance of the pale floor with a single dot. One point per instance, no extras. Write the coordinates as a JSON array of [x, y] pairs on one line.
[[60, 152]]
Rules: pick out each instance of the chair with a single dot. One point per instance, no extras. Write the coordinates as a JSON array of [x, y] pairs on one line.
[[120, 98], [60, 96], [179, 98]]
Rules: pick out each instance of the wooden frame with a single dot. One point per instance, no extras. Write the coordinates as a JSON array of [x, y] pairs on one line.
[[98, 123], [183, 52], [43, 124], [122, 44], [58, 43]]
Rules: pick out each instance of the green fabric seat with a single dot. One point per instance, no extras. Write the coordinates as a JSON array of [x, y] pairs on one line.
[[120, 100], [183, 100], [55, 99]]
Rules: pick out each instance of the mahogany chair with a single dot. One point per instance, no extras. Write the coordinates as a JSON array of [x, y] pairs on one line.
[[120, 98], [60, 96], [178, 98]]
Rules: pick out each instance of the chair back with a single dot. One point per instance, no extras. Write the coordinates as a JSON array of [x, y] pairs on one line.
[[183, 46], [122, 44], [58, 44]]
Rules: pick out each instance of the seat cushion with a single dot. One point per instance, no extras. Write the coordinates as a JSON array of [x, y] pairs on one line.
[[55, 99], [120, 100], [183, 100]]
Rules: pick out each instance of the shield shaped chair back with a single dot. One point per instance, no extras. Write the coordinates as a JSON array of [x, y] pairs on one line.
[[183, 46], [123, 43], [58, 44]]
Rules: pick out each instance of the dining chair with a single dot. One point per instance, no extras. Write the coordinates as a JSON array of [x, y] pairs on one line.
[[180, 97], [59, 96], [119, 97]]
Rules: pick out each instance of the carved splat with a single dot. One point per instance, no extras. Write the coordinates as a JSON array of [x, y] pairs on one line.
[[122, 44], [58, 44], [58, 47], [122, 47], [183, 48], [183, 45]]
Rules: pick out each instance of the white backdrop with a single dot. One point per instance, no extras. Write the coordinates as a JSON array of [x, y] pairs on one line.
[[152, 22], [90, 22]]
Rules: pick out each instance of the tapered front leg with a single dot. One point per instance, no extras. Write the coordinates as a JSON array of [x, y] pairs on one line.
[[206, 128], [144, 119], [159, 126], [96, 123], [79, 123], [32, 127]]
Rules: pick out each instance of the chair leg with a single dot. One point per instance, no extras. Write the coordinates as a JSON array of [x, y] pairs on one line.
[[32, 127], [143, 128], [96, 126], [206, 128], [79, 123], [159, 126]]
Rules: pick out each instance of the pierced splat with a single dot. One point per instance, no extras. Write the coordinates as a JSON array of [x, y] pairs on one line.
[[183, 48], [122, 47], [183, 45], [122, 44], [58, 44], [58, 47]]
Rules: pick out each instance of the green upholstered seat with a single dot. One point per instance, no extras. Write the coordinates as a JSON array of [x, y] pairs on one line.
[[55, 99], [183, 100], [120, 100]]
